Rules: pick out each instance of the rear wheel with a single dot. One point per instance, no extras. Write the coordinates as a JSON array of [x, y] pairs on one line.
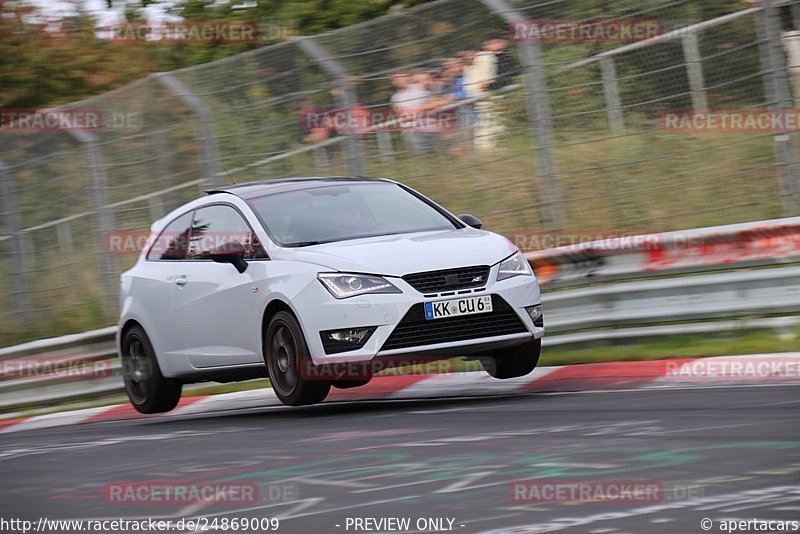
[[291, 370], [516, 361], [148, 390]]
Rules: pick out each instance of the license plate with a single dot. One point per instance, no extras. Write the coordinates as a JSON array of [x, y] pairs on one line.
[[457, 307]]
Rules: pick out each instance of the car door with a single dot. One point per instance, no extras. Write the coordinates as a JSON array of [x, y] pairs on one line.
[[155, 280], [215, 302]]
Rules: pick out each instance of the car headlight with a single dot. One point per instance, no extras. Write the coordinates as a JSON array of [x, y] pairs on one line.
[[344, 286], [516, 265]]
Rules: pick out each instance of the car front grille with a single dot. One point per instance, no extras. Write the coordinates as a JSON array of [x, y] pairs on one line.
[[415, 331], [448, 279]]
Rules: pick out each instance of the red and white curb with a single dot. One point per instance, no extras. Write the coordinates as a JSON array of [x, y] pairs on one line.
[[728, 370]]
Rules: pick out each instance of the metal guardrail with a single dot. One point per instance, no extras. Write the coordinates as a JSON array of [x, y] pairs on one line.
[[628, 304], [754, 244], [694, 298]]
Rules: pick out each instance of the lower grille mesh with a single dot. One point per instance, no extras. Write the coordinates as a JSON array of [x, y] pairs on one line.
[[415, 331]]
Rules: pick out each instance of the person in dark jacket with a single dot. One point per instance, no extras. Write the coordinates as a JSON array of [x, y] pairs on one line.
[[507, 66]]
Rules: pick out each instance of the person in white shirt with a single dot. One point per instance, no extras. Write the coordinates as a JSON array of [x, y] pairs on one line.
[[409, 103], [480, 73], [410, 95], [478, 80]]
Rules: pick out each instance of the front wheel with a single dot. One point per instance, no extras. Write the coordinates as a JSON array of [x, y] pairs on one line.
[[516, 361], [291, 370], [148, 390]]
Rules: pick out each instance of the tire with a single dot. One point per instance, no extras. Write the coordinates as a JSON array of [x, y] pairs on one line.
[[286, 354], [516, 361], [147, 389]]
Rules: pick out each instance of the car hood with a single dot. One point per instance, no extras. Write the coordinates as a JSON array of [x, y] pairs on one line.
[[398, 255]]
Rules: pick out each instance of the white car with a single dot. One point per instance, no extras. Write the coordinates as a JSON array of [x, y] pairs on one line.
[[319, 282]]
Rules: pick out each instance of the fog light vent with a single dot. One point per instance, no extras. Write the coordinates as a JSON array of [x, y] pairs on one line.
[[334, 341], [537, 316]]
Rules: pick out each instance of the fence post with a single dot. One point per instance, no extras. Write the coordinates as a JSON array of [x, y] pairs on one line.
[[694, 69], [104, 219], [538, 105], [200, 109], [608, 71], [321, 159], [157, 204], [64, 236], [384, 140], [779, 96], [19, 280], [345, 99]]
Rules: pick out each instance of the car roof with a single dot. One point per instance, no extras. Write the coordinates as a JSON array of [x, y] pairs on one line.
[[282, 185]]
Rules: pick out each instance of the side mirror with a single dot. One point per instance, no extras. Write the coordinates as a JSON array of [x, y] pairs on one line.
[[471, 220], [231, 252]]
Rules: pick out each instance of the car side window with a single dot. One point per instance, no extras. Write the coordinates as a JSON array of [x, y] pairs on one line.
[[218, 224], [173, 242]]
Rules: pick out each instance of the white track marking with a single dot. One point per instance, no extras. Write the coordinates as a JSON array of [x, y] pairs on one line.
[[237, 400], [469, 384], [453, 386], [56, 419]]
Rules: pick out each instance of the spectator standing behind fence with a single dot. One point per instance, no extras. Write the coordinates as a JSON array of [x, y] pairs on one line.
[[470, 117], [426, 123], [317, 126], [454, 124], [507, 66], [493, 68], [480, 75], [407, 102], [314, 123]]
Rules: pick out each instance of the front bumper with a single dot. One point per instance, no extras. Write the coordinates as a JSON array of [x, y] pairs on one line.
[[318, 311]]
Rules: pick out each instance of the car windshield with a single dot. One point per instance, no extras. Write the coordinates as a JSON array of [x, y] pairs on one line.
[[347, 211]]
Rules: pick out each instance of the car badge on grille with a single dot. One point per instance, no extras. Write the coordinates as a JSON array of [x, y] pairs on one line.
[[477, 279], [450, 279]]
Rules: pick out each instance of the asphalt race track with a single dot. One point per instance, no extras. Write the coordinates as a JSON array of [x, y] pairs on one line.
[[720, 453]]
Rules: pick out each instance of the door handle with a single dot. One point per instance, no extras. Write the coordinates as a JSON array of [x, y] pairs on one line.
[[181, 280]]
